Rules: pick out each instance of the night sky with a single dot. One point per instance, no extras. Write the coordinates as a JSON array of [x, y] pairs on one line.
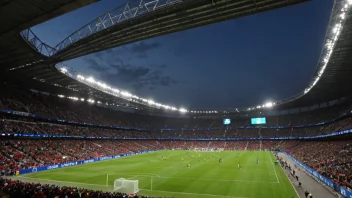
[[233, 64]]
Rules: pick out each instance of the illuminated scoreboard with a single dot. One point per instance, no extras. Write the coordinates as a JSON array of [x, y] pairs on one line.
[[226, 121], [258, 121]]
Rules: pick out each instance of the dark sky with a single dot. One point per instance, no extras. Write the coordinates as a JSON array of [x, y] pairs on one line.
[[234, 64]]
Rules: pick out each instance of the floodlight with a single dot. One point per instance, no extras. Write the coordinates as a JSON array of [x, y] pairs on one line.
[[269, 104], [63, 70], [124, 93], [182, 110], [90, 79]]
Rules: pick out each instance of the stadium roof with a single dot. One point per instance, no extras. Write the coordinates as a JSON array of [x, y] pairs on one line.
[[19, 15], [16, 16], [140, 20], [332, 78], [25, 62]]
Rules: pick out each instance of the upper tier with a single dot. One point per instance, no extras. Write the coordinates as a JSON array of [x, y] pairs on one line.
[[62, 108]]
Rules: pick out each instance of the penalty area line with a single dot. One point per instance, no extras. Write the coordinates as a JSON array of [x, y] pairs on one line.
[[186, 193]]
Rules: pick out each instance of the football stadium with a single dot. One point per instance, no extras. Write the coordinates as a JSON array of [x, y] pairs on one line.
[[66, 134]]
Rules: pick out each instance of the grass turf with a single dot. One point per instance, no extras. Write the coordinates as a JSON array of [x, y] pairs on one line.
[[206, 177]]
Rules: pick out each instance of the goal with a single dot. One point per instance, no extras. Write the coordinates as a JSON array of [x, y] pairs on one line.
[[126, 186]]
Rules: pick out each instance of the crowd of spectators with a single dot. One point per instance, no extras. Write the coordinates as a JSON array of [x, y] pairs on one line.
[[332, 159], [17, 154], [11, 126], [52, 106], [19, 189]]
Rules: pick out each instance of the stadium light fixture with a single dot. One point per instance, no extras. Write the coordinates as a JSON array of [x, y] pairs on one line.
[[151, 102], [183, 110], [331, 42], [73, 98], [80, 77], [333, 36], [124, 93], [63, 70], [90, 81], [269, 104], [116, 90]]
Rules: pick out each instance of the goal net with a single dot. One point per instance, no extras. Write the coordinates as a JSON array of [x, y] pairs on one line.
[[126, 186]]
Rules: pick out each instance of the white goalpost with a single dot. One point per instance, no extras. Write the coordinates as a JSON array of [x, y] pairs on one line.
[[126, 186]]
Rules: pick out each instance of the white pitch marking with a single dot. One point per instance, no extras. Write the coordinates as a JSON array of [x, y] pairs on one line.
[[191, 193], [291, 183], [61, 181], [140, 174], [133, 177], [229, 180], [132, 174], [271, 159], [151, 183]]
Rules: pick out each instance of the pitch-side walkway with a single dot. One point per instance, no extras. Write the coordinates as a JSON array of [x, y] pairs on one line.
[[308, 183]]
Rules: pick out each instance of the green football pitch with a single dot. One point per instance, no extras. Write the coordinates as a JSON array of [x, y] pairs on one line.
[[170, 177]]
